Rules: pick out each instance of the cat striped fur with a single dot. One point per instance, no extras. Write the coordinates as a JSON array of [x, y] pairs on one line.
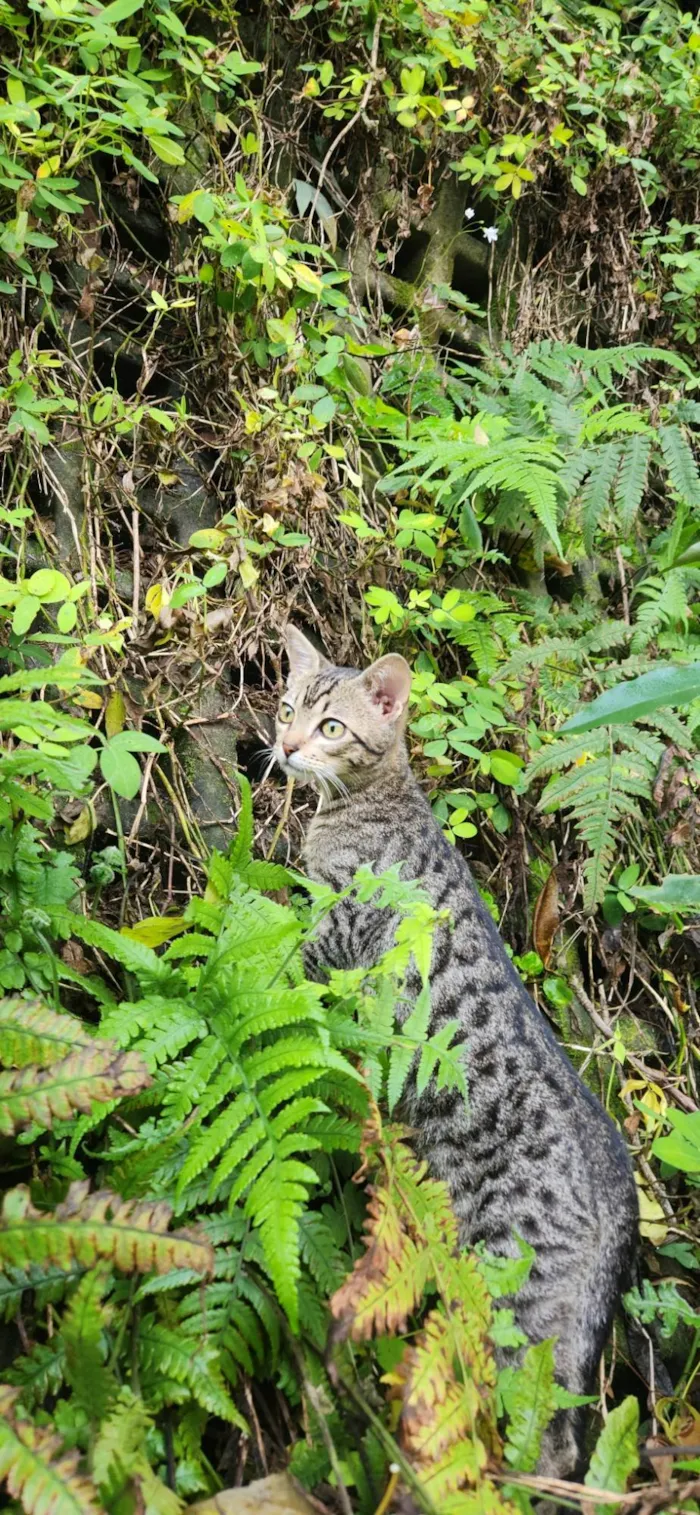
[[532, 1152]]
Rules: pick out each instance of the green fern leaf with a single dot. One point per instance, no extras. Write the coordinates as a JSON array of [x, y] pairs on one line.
[[595, 496], [241, 847], [83, 1334], [616, 1454], [150, 970], [47, 1285], [631, 480], [40, 1373], [600, 788], [169, 1359], [120, 1460], [87, 1227], [44, 1478], [320, 1250], [530, 1404], [666, 604], [93, 1074], [681, 464]]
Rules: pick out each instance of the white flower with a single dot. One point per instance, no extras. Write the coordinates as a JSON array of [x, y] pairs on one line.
[[490, 234], [469, 214]]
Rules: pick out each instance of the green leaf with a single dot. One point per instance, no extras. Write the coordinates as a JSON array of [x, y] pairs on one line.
[[663, 686], [324, 410], [119, 10], [135, 741], [67, 617], [530, 1404], [616, 1456], [172, 154], [26, 611], [680, 891], [681, 1148], [120, 770]]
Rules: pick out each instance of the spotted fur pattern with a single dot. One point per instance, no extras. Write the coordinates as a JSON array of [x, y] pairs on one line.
[[532, 1151]]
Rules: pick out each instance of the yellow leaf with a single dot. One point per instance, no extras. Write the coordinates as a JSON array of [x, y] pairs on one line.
[[115, 714], [269, 524], [306, 278], [652, 1221], [82, 827], [89, 699], [156, 929], [48, 167], [156, 598], [249, 574], [186, 207]]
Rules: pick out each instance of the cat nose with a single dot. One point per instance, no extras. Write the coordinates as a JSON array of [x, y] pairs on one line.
[[288, 747]]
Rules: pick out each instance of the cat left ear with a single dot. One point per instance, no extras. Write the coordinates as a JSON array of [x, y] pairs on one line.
[[304, 660], [389, 684]]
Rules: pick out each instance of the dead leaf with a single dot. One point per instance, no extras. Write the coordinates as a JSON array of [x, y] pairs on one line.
[[86, 303], [82, 827], [276, 1495], [662, 1466], [215, 620], [652, 1221], [73, 956], [546, 919]]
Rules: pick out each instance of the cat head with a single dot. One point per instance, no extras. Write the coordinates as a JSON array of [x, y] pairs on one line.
[[336, 727]]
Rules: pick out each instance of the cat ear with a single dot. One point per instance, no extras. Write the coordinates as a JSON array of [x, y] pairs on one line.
[[389, 683], [304, 660]]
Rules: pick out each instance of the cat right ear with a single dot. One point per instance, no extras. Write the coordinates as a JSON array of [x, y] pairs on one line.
[[304, 660], [388, 682]]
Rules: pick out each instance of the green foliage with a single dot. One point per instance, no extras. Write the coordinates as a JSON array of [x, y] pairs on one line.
[[681, 1147], [404, 463], [663, 687], [535, 457], [615, 1455], [598, 779]]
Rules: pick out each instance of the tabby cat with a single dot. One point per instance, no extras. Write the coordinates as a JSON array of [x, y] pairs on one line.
[[534, 1152]]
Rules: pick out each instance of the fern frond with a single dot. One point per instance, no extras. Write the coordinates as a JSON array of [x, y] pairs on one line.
[[631, 480], [31, 1033], [38, 1472], [680, 463], [320, 1249], [242, 845], [530, 1404], [410, 1223], [87, 1227], [40, 1373], [83, 1334], [171, 1363], [595, 495], [666, 604], [603, 780], [47, 1285], [94, 1074], [120, 1458]]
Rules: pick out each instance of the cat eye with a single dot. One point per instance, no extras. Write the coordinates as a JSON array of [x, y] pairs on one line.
[[286, 713], [331, 728]]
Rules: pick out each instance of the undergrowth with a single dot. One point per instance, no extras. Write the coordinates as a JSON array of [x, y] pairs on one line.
[[382, 319]]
